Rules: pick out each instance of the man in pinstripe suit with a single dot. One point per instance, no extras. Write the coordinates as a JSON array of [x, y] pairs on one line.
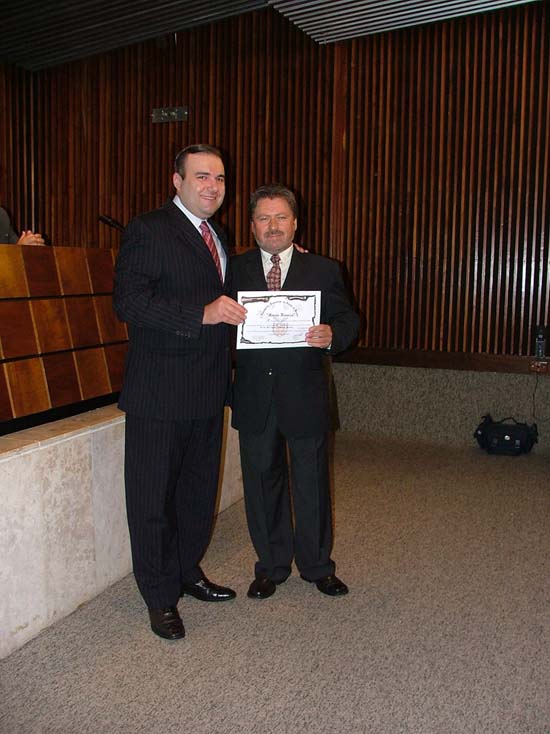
[[169, 288]]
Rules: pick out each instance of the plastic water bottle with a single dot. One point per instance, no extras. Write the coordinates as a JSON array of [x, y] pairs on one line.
[[540, 342]]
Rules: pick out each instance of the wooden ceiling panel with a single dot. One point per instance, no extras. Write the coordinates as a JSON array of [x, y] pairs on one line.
[[327, 21], [37, 35]]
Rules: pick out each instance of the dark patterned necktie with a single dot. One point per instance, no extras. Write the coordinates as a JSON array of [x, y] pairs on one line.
[[273, 278], [209, 240]]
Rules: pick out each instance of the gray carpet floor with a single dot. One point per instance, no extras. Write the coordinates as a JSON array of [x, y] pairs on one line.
[[446, 629]]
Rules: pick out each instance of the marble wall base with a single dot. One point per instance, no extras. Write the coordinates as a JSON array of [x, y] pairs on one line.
[[437, 406], [63, 532]]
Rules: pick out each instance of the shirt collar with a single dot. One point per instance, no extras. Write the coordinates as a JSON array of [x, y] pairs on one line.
[[197, 221], [285, 255]]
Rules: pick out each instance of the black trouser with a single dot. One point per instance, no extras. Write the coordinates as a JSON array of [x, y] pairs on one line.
[[267, 501], [171, 474]]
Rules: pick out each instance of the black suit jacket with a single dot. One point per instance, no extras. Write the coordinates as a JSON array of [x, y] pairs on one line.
[[7, 233], [295, 378], [176, 368]]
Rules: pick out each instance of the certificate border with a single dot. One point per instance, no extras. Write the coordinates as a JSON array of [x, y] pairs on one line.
[[244, 297]]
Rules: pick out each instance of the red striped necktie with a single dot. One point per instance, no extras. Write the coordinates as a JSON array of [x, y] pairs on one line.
[[209, 241], [273, 278]]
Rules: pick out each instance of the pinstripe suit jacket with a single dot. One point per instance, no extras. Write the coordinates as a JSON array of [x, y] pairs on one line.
[[176, 368]]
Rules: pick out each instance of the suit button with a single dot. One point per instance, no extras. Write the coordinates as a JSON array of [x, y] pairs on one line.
[[270, 372]]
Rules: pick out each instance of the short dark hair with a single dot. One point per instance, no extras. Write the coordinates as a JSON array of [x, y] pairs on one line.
[[272, 191], [180, 159]]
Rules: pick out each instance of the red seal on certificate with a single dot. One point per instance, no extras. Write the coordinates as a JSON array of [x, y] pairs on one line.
[[279, 328]]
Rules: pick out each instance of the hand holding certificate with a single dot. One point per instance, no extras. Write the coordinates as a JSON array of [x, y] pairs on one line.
[[277, 319]]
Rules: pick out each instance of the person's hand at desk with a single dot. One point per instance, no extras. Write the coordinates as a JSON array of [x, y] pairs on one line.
[[30, 238]]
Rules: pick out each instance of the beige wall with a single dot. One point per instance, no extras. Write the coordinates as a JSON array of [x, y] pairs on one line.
[[438, 406]]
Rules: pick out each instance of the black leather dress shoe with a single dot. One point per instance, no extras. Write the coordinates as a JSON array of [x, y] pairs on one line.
[[205, 590], [330, 585], [262, 588], [167, 623]]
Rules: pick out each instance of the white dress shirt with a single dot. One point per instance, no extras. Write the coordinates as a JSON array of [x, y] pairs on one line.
[[197, 221], [284, 264]]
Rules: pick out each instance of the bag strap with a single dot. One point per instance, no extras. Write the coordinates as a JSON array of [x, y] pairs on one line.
[[509, 418]]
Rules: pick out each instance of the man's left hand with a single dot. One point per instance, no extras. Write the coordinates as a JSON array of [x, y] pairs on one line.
[[319, 336]]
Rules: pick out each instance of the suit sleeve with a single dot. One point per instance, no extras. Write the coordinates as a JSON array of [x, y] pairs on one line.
[[8, 235], [339, 313], [137, 299]]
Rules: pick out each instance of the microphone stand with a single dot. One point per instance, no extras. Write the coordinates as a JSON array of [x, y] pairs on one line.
[[110, 222]]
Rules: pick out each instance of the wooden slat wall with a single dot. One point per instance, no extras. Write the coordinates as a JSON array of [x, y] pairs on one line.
[[244, 81], [16, 146], [443, 155], [421, 156]]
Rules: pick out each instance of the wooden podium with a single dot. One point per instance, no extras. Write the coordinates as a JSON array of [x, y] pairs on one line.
[[60, 342]]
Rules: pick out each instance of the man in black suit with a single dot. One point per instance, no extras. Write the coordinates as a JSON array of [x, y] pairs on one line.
[[281, 399], [169, 288]]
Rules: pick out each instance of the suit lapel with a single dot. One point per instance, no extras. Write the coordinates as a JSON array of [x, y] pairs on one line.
[[189, 236], [295, 276], [255, 271]]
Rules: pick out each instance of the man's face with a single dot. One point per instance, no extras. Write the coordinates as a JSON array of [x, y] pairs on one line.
[[203, 187], [273, 225]]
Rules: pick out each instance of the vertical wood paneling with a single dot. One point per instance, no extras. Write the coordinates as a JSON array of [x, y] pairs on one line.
[[16, 154], [256, 86], [449, 131]]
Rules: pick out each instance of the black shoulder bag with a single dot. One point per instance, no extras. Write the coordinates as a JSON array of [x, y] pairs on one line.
[[506, 437]]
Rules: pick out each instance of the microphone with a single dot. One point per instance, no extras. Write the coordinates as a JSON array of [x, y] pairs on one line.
[[111, 222]]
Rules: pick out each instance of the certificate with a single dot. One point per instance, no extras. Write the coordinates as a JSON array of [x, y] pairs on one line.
[[277, 319]]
